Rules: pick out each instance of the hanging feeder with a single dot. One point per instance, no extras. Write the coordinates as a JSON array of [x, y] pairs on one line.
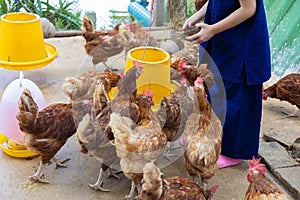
[[22, 48], [156, 76], [156, 67], [22, 43]]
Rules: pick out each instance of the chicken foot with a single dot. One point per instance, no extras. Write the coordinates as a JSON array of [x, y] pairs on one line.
[[99, 182], [113, 173], [60, 163], [131, 193], [37, 177]]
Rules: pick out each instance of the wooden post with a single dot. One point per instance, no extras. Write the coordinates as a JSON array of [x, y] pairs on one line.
[[178, 15]]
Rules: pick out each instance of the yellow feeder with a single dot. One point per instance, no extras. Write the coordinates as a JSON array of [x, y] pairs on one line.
[[22, 43], [156, 76], [156, 66], [22, 48], [13, 149]]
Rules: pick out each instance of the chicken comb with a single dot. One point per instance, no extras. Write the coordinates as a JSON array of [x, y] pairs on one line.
[[252, 162], [122, 74], [264, 94], [256, 165], [150, 93], [199, 80], [182, 65], [144, 93], [137, 64]]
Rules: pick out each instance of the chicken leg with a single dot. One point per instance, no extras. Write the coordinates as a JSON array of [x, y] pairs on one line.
[[60, 163], [130, 196], [37, 177], [99, 182], [113, 173]]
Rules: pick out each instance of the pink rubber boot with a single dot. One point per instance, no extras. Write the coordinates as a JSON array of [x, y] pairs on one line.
[[225, 161]]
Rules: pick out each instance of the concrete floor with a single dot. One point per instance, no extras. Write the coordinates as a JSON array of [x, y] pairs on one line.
[[72, 182]]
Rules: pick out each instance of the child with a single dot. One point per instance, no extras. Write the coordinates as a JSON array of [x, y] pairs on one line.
[[235, 35]]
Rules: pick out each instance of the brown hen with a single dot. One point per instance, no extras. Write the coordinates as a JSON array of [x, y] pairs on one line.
[[137, 144], [95, 141], [191, 73], [46, 131], [174, 110], [172, 113], [89, 85], [101, 45], [94, 133], [286, 89], [261, 187], [83, 86], [175, 188], [202, 138]]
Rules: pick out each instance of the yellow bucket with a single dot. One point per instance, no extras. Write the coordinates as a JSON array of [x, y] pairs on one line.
[[156, 76], [22, 43]]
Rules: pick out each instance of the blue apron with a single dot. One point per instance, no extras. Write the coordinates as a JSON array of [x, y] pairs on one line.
[[242, 57]]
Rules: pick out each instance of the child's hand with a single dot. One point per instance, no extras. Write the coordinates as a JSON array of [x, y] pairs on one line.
[[203, 35], [191, 21], [187, 24]]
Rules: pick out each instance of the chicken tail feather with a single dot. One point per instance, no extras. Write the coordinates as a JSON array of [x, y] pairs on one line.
[[121, 127], [28, 110], [153, 183], [87, 25]]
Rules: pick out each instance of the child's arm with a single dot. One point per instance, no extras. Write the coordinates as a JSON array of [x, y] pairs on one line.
[[196, 17], [247, 10]]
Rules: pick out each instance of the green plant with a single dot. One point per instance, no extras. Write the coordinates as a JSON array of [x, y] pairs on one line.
[[7, 6], [190, 7], [32, 6], [62, 16]]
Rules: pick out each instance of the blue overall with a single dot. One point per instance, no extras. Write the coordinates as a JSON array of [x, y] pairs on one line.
[[242, 58]]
